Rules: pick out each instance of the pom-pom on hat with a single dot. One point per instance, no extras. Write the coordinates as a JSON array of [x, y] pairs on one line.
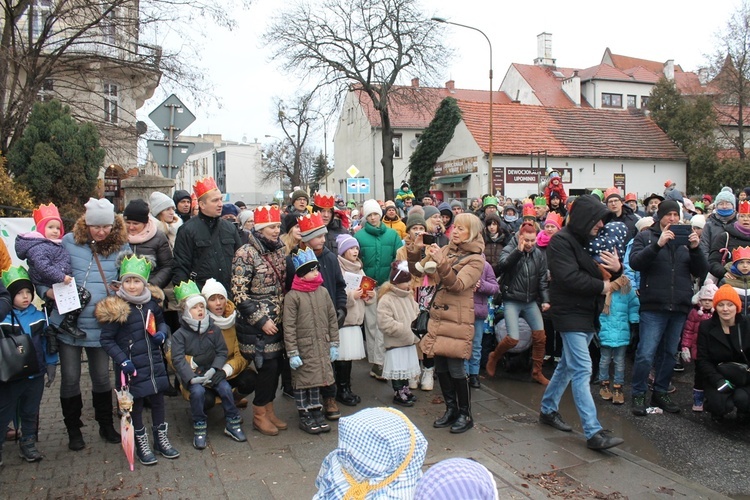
[[159, 202], [266, 215], [304, 261], [213, 287], [643, 223], [726, 292], [45, 214], [371, 207], [324, 201], [399, 272], [555, 219], [204, 186], [133, 266], [136, 211], [99, 212], [345, 242], [311, 225], [726, 195], [15, 279]]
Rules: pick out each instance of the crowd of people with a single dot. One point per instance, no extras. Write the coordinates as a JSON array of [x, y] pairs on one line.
[[236, 301]]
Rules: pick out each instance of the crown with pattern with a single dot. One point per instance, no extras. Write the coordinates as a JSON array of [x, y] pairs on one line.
[[265, 216], [743, 207], [135, 266], [324, 200], [13, 274], [185, 289], [528, 210], [203, 186], [740, 253], [44, 214], [304, 261]]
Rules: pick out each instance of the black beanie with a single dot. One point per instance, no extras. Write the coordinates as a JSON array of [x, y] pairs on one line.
[[137, 210], [667, 206], [19, 285]]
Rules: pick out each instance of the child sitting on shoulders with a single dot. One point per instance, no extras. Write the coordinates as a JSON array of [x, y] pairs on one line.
[[133, 328], [199, 337], [24, 395], [397, 309], [311, 337]]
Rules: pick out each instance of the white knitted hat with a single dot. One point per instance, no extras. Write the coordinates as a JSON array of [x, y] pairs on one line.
[[213, 287], [371, 207]]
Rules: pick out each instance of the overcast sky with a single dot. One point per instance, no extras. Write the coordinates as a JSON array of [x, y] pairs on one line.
[[245, 81]]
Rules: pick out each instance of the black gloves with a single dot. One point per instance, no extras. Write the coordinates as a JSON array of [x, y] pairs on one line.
[[340, 317], [218, 377]]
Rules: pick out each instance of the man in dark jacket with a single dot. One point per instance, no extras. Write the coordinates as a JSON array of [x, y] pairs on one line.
[[666, 293], [621, 212], [182, 203], [205, 245], [577, 292]]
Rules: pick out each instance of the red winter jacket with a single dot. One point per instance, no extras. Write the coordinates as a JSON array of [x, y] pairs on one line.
[[690, 331]]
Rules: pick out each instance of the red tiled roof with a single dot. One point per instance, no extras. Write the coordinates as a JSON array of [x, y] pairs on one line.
[[625, 62], [690, 84], [603, 72], [568, 132], [547, 86], [727, 115], [405, 113], [641, 74]]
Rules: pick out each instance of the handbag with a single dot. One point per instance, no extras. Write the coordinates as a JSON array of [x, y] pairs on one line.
[[419, 325], [736, 373], [17, 354]]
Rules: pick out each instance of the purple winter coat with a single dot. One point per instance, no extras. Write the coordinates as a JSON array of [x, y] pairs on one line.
[[488, 286], [49, 262]]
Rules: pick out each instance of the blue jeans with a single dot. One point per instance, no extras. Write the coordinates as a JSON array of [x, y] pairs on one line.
[[530, 312], [659, 338], [198, 395], [472, 364], [574, 368], [616, 355]]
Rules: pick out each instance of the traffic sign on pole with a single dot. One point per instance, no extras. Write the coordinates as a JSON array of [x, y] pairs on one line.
[[359, 185], [180, 151], [162, 116], [172, 117]]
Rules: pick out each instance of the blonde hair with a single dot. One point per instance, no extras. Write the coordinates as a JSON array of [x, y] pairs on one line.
[[472, 223], [289, 242], [432, 226]]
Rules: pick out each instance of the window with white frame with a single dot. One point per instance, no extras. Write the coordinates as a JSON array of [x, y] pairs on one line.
[[611, 100], [109, 23], [397, 145], [111, 103], [40, 13]]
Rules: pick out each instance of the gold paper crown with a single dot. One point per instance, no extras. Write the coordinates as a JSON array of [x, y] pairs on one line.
[[203, 186]]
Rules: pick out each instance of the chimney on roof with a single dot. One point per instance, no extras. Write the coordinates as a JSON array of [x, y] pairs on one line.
[[669, 69], [572, 87], [703, 76], [450, 85], [415, 82], [544, 50]]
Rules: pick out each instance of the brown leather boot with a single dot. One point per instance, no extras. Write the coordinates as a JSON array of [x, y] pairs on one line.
[[261, 423], [280, 424], [539, 341], [504, 346]]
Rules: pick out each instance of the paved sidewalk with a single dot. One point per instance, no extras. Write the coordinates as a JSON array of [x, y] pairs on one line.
[[529, 460]]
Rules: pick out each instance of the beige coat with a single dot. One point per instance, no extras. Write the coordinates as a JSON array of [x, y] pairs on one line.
[[451, 327], [355, 308], [310, 328], [396, 311]]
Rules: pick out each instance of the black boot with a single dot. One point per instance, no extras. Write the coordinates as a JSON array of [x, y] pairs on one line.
[[71, 410], [344, 395], [448, 388], [103, 415], [464, 421]]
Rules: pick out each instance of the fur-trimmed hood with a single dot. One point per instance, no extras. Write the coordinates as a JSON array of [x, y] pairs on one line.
[[114, 309], [111, 244]]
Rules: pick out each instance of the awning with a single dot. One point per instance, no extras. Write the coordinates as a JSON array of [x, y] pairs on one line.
[[451, 179]]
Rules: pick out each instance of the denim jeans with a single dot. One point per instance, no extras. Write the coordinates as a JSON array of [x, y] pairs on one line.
[[198, 395], [574, 368], [616, 355], [659, 338], [70, 369], [472, 364], [530, 312], [23, 397]]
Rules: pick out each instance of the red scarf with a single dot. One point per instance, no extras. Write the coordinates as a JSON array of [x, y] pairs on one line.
[[542, 239], [307, 285]]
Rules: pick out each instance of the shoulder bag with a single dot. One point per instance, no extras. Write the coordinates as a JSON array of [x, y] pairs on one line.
[[17, 354]]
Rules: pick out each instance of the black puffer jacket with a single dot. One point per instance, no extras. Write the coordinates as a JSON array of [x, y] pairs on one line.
[[730, 239], [493, 247], [666, 283], [629, 219], [205, 246], [576, 283], [158, 248], [524, 275]]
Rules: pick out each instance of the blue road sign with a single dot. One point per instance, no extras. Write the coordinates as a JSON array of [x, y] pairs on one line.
[[358, 185]]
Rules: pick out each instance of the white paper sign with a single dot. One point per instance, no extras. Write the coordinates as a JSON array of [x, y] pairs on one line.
[[66, 296], [352, 280]]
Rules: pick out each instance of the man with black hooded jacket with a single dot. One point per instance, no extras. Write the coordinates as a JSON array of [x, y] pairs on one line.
[[577, 291]]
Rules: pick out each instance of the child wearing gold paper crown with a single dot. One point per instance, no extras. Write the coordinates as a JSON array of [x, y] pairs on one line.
[[738, 276], [311, 337], [49, 262], [133, 328]]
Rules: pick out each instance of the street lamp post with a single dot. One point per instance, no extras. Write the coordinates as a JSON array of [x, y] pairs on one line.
[[489, 172]]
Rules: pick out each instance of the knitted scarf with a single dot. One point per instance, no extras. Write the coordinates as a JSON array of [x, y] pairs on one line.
[[143, 298], [621, 284], [307, 285], [224, 322], [542, 239], [149, 231]]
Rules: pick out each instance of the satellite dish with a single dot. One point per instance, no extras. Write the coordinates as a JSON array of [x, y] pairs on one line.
[[140, 127], [413, 144]]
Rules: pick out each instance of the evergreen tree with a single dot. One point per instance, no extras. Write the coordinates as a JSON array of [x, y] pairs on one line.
[[57, 159], [320, 170], [431, 145]]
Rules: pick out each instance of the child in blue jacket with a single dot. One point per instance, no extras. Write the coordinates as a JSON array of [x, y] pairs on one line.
[[620, 310], [24, 395]]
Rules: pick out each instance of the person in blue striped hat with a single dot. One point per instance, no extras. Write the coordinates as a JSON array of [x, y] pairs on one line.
[[457, 478]]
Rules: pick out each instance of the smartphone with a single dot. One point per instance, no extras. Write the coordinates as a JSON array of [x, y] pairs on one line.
[[681, 234], [428, 239]]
